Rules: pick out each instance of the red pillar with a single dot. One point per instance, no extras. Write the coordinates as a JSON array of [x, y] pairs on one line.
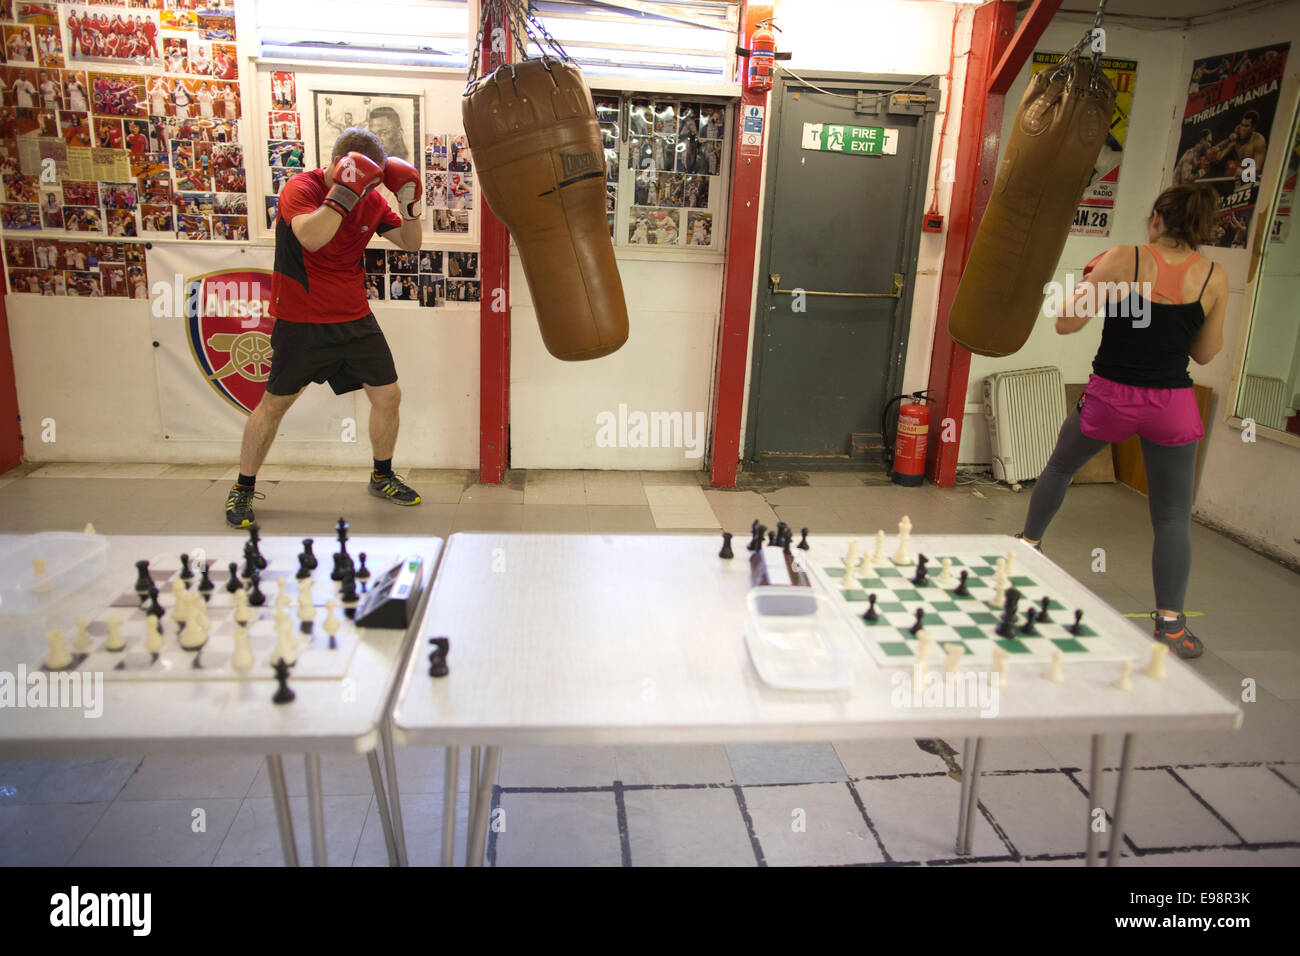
[[737, 296], [11, 435], [494, 314], [995, 59]]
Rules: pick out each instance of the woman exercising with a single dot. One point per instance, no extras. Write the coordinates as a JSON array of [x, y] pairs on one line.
[[1140, 385]]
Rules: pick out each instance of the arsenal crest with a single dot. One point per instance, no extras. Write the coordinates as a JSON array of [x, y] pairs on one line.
[[230, 333]]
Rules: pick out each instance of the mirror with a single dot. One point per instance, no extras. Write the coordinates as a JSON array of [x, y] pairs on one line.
[[1268, 388]]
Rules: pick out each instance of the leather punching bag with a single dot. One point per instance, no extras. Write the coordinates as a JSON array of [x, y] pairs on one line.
[[1054, 143], [541, 164]]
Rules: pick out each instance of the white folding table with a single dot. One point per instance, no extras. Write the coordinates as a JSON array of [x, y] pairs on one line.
[[555, 639], [215, 716]]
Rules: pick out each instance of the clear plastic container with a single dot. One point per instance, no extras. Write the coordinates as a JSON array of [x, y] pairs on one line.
[[797, 639], [72, 561]]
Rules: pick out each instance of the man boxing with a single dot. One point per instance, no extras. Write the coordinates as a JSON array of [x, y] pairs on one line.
[[1244, 142], [324, 329]]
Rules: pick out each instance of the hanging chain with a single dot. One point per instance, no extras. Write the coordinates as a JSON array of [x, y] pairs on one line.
[[514, 13]]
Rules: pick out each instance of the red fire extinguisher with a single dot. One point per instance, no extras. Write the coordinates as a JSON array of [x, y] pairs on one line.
[[762, 54], [905, 459]]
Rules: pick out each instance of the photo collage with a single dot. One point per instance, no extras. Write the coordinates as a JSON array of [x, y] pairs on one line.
[[430, 277], [42, 266], [448, 181], [286, 153], [675, 158], [121, 120]]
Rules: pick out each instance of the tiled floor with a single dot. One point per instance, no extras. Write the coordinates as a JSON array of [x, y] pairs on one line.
[[1205, 800]]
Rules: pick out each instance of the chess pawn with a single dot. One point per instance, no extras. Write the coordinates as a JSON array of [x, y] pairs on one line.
[[332, 624], [58, 658], [242, 613], [851, 558], [850, 583], [1125, 681], [864, 569], [82, 644], [878, 557], [153, 641], [115, 640], [946, 580], [1156, 667], [1055, 673], [243, 656]]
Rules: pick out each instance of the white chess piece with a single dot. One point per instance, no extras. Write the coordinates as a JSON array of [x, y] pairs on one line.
[[181, 605], [38, 566], [89, 529], [919, 668], [953, 660], [850, 583], [1010, 559], [115, 640], [1125, 681], [285, 647], [242, 613], [904, 532], [851, 558], [1156, 667], [82, 644], [1000, 582], [282, 592], [878, 558], [58, 658], [243, 656], [946, 580], [195, 634], [331, 622], [865, 570], [1000, 665], [153, 641], [1056, 673]]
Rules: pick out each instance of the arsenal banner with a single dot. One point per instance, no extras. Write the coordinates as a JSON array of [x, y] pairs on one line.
[[212, 351]]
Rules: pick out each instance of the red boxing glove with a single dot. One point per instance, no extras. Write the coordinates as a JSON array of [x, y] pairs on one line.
[[354, 175], [1092, 265], [403, 181]]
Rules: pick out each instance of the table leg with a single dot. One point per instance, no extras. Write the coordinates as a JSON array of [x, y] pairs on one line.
[[972, 798], [483, 807], [386, 821], [280, 796], [963, 806], [1121, 789], [316, 808], [394, 798], [475, 758], [450, 777], [1094, 797]]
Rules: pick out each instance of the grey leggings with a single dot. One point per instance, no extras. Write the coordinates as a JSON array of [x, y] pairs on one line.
[[1171, 470]]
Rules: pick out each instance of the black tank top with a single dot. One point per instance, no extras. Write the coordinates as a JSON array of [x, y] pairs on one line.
[[1154, 356]]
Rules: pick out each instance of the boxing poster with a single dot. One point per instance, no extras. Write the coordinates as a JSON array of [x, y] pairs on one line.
[[1096, 211], [1231, 103], [393, 117], [214, 348]]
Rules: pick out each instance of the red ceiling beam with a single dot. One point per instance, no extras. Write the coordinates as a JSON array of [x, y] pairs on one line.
[[1021, 45]]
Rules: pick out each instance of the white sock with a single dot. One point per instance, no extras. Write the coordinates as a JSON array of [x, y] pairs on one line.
[[1163, 618]]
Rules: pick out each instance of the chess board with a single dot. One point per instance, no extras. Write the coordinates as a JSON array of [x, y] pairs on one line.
[[970, 621], [316, 659]]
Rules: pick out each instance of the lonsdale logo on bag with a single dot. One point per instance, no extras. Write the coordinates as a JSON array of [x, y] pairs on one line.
[[575, 164]]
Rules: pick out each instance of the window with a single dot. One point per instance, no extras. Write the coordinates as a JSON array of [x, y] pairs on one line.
[[433, 33], [683, 40]]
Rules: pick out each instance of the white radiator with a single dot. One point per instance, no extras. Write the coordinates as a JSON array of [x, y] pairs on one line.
[[1264, 400], [1025, 409]]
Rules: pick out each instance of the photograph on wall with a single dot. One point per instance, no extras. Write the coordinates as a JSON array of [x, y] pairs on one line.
[[652, 227], [118, 94], [435, 151], [1095, 213], [288, 154], [117, 35], [83, 284], [231, 204], [433, 291], [431, 260], [393, 117], [403, 288], [1231, 103], [607, 110], [283, 124], [447, 220], [462, 290], [462, 265], [51, 210], [272, 210], [120, 222], [375, 285], [193, 227], [82, 219], [156, 218], [402, 262], [113, 277], [233, 228], [699, 229], [19, 46], [284, 94], [279, 176], [20, 216]]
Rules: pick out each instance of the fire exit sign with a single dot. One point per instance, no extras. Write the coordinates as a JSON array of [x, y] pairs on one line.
[[864, 140]]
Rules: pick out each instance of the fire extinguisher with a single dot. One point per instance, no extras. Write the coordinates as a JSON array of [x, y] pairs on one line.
[[761, 54], [905, 456]]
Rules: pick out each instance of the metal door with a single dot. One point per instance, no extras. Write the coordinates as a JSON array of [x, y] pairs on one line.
[[837, 267]]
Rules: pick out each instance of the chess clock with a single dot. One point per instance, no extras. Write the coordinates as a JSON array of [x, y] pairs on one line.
[[392, 599]]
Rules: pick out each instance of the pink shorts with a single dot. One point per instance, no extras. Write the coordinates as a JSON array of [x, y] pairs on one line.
[[1113, 412]]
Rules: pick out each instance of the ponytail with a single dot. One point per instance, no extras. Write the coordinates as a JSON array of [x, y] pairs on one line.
[[1188, 212]]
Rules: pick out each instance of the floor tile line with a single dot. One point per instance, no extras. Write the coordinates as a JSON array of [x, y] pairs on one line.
[[226, 836], [866, 818], [997, 828], [1285, 779], [759, 858], [624, 837], [1205, 803], [108, 805]]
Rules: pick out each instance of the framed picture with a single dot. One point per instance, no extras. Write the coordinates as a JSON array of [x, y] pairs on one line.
[[393, 117]]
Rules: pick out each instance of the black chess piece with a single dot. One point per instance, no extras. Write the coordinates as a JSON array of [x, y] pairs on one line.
[[726, 551], [757, 543], [1006, 625], [363, 572], [250, 561], [871, 614], [303, 570], [771, 539], [255, 596], [348, 594], [284, 693], [154, 609], [438, 657], [143, 580], [1028, 628], [920, 618], [919, 579], [961, 590], [255, 540], [205, 583], [308, 558], [1011, 601], [1077, 628], [232, 582], [187, 575], [803, 541], [782, 530], [1042, 611]]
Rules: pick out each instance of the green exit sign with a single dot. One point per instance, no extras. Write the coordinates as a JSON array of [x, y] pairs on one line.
[[863, 140]]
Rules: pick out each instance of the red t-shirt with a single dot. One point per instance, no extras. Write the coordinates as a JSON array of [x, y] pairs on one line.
[[327, 285]]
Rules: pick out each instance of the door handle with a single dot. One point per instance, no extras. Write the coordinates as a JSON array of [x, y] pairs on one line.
[[774, 282]]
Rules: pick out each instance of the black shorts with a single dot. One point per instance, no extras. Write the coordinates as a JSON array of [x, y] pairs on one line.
[[345, 354]]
